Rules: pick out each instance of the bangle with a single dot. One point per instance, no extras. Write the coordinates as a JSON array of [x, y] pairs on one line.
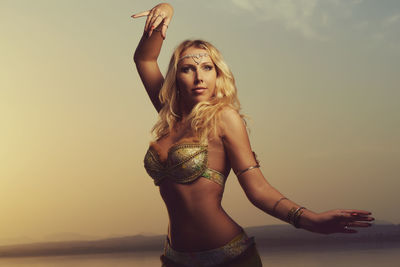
[[251, 167], [290, 214], [294, 216], [247, 169], [276, 204]]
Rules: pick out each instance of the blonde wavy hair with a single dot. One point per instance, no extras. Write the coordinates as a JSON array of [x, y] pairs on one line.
[[204, 115]]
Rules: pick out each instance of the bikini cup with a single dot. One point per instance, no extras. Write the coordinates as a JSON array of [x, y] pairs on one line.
[[185, 163]]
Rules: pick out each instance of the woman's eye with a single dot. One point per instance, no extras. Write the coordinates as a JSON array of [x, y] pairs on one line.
[[185, 69], [208, 67]]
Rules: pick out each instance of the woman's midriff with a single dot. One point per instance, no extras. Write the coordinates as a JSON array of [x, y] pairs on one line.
[[197, 221]]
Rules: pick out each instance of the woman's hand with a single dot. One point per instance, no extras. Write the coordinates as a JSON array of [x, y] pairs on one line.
[[160, 14], [340, 221]]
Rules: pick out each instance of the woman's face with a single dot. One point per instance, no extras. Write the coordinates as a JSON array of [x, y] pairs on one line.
[[196, 76]]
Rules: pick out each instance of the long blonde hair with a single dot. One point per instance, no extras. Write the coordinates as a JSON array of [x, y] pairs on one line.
[[204, 116]]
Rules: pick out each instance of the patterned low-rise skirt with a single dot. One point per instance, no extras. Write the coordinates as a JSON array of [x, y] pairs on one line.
[[240, 251]]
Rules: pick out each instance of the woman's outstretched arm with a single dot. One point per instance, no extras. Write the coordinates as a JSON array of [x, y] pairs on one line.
[[148, 49], [267, 198]]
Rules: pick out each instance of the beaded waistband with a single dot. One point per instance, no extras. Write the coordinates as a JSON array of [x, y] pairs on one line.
[[210, 257]]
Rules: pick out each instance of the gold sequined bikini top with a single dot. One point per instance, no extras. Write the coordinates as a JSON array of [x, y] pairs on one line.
[[185, 163]]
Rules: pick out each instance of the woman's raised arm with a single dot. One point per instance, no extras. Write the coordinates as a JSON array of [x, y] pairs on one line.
[[267, 198], [149, 47]]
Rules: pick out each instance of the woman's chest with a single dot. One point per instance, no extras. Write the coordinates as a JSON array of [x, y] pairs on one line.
[[175, 139], [165, 144]]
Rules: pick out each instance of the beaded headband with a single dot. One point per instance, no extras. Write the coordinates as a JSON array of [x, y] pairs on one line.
[[197, 58]]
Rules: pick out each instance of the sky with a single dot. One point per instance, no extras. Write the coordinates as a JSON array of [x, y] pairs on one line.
[[319, 81]]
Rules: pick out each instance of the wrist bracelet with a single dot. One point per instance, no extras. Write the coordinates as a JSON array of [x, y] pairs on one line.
[[290, 214], [296, 217], [293, 216]]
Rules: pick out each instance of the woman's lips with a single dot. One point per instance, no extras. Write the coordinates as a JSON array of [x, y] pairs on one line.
[[199, 90]]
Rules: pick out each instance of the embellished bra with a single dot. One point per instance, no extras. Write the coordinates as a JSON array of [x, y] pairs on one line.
[[185, 163]]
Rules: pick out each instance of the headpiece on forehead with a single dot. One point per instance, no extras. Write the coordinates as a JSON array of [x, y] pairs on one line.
[[197, 58]]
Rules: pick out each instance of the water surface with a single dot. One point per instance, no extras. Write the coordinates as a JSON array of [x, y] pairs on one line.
[[365, 258]]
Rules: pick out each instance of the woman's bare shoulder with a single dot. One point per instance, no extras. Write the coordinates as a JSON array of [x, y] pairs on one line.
[[230, 120], [229, 114]]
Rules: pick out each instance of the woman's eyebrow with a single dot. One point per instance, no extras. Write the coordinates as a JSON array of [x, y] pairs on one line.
[[186, 65]]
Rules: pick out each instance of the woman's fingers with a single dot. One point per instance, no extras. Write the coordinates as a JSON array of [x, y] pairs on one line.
[[141, 14], [155, 21], [161, 13], [348, 230], [165, 27], [354, 218], [148, 20], [157, 18], [342, 221], [358, 224], [356, 215], [357, 212]]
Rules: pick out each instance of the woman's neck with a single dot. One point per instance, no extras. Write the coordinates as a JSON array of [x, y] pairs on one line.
[[185, 109]]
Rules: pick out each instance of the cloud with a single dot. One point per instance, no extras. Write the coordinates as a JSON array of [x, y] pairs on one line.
[[308, 17], [389, 21], [377, 24], [293, 14], [388, 32], [247, 5]]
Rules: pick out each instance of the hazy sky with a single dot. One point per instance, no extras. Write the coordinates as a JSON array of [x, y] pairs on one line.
[[319, 79]]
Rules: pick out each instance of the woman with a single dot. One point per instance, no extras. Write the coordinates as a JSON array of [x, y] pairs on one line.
[[200, 137]]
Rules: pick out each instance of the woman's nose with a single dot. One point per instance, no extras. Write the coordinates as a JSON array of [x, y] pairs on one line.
[[198, 78]]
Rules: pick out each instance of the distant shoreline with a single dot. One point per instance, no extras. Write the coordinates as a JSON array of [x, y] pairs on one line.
[[272, 237]]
